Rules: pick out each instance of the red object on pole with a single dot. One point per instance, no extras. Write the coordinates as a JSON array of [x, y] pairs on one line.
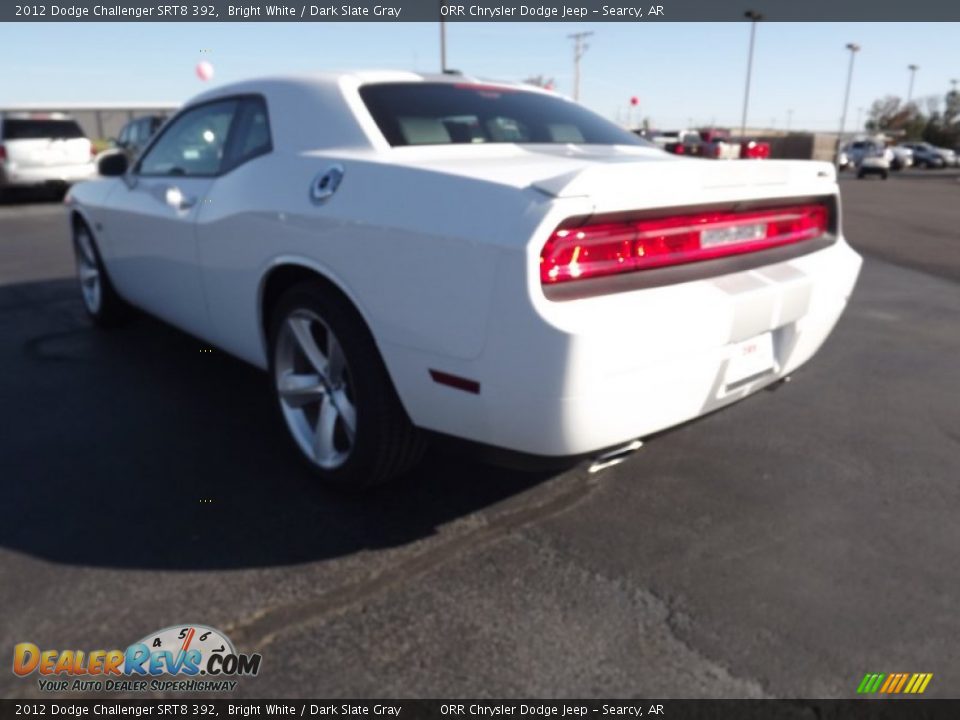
[[634, 100]]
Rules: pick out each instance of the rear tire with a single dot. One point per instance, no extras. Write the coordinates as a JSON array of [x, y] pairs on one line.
[[861, 174], [102, 303], [334, 393]]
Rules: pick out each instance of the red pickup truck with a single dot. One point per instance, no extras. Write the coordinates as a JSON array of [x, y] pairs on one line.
[[712, 143]]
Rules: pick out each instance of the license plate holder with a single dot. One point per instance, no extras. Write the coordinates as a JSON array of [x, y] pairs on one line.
[[749, 359]]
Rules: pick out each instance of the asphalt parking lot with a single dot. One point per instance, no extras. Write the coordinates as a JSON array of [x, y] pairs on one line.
[[780, 548]]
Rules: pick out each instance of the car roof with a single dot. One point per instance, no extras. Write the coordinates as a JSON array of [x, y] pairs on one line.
[[330, 98]]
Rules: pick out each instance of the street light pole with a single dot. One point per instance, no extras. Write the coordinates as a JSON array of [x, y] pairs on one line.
[[913, 73], [443, 46], [579, 48], [854, 49], [754, 17], [443, 39]]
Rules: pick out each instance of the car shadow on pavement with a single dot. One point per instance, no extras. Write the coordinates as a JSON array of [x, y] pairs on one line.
[[143, 447], [31, 196]]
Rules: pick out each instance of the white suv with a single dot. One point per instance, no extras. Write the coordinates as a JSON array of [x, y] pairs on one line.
[[43, 150], [870, 158]]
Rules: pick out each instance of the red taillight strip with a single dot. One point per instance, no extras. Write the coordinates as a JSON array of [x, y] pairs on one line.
[[610, 248]]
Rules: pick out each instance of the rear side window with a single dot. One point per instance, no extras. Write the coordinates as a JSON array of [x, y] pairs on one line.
[[250, 136], [40, 129], [468, 113]]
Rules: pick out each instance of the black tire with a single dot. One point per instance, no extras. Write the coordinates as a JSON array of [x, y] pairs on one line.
[[384, 444], [111, 309], [885, 175], [861, 174]]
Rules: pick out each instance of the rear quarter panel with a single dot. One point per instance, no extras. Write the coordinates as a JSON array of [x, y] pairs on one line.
[[416, 251]]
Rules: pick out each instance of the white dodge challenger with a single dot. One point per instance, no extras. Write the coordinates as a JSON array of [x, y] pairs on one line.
[[407, 253]]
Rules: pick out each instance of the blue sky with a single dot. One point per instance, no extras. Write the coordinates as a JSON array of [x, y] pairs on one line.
[[683, 73]]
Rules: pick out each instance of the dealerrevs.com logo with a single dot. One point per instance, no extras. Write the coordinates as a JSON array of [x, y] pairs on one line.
[[178, 658]]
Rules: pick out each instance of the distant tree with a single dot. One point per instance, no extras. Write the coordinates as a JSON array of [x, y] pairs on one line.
[[540, 81], [891, 114], [939, 124]]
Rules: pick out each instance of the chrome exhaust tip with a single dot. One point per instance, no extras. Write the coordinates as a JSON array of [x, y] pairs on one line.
[[614, 457]]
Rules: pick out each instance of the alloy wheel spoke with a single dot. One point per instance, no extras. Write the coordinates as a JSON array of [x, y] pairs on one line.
[[300, 327], [86, 250], [299, 390], [336, 363], [88, 275], [323, 441], [347, 412]]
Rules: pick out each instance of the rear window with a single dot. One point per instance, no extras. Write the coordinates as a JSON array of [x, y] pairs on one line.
[[454, 113], [40, 129]]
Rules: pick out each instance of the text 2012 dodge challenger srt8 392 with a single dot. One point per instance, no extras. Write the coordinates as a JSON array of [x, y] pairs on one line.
[[488, 261]]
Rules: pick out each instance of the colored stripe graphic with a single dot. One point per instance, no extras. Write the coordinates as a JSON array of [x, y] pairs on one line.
[[907, 683]]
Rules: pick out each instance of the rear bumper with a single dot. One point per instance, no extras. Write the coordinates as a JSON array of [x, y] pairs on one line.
[[12, 175], [574, 377]]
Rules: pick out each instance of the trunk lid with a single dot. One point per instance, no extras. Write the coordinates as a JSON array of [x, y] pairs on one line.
[[620, 178]]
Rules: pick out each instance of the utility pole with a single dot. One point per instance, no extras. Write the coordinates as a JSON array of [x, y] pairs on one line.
[[913, 73], [754, 17], [579, 48], [854, 49], [789, 119]]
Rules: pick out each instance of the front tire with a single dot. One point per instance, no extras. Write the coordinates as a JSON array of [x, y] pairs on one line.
[[102, 303], [334, 394]]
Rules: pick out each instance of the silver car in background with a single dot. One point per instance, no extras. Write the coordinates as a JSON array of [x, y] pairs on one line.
[[43, 150], [902, 157]]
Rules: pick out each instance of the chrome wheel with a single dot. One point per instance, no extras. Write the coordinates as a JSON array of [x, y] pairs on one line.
[[88, 270], [315, 389]]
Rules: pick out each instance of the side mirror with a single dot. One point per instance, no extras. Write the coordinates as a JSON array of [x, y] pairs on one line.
[[112, 164]]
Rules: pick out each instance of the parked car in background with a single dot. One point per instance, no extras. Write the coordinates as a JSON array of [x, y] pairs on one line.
[[716, 144], [902, 157], [843, 160], [137, 133], [860, 149], [712, 143], [43, 150], [407, 253], [926, 155], [678, 142], [873, 159]]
